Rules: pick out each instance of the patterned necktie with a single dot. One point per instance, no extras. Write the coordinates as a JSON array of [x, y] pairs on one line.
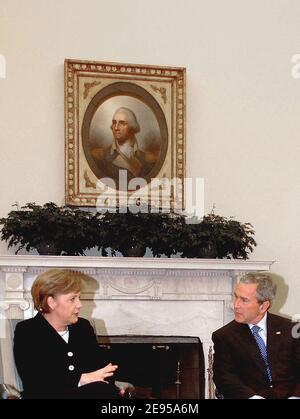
[[262, 348]]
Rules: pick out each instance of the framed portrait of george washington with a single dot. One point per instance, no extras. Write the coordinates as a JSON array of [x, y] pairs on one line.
[[124, 134]]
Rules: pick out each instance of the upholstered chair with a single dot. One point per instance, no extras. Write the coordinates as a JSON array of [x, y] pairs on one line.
[[10, 382]]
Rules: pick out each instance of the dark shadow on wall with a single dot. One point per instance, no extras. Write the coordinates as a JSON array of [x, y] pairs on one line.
[[88, 295], [281, 296]]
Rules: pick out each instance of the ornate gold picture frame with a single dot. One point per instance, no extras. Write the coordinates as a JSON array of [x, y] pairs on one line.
[[124, 134]]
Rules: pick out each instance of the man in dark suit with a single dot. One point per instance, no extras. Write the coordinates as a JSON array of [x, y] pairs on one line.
[[257, 355]]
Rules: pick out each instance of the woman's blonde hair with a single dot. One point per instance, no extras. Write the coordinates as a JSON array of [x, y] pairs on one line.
[[52, 283]]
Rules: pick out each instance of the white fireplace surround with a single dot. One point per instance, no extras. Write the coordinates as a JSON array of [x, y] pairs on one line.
[[136, 296]]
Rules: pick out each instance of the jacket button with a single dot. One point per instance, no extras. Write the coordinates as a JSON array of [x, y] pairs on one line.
[[70, 353], [71, 367]]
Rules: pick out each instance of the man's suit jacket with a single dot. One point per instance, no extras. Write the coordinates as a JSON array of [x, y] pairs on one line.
[[239, 370], [48, 366]]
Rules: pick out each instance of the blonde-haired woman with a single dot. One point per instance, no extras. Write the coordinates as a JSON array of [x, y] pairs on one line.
[[56, 352]]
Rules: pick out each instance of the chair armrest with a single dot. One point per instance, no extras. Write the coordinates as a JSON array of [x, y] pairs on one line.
[[129, 391], [125, 389], [9, 392]]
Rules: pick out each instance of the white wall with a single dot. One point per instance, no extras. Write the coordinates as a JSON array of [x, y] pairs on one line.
[[243, 118]]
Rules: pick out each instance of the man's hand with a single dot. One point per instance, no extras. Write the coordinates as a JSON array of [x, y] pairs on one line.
[[98, 375]]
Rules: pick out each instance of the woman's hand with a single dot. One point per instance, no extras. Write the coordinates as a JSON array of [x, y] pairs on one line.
[[98, 375]]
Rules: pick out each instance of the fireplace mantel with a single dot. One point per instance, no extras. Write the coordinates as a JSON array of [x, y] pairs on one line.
[[85, 262], [165, 296], [126, 278], [136, 296]]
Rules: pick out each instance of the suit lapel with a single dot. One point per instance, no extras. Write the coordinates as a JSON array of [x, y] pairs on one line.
[[247, 341], [48, 330], [274, 339]]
